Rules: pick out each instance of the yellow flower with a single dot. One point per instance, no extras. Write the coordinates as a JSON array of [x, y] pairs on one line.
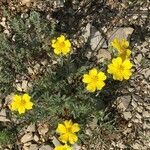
[[120, 69], [67, 132], [94, 80], [63, 147], [61, 45], [122, 46], [21, 103]]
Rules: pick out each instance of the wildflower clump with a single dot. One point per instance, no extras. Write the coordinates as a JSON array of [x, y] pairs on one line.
[[94, 80], [67, 132], [120, 69], [63, 147], [122, 46], [21, 103], [61, 45]]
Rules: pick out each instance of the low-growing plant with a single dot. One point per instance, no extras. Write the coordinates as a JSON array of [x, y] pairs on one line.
[[71, 88]]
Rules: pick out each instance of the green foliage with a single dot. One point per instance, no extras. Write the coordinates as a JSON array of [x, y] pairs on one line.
[[5, 137], [28, 41]]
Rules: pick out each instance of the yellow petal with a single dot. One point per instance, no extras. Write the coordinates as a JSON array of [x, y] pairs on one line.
[[67, 43], [14, 106], [127, 74], [16, 98], [21, 110], [101, 76], [65, 50], [93, 72], [57, 51], [127, 64], [75, 128], [100, 85], [72, 138], [53, 41], [117, 61], [125, 43], [26, 97], [91, 87], [63, 147], [128, 53], [61, 38], [86, 78], [61, 129], [29, 105], [68, 124], [64, 138]]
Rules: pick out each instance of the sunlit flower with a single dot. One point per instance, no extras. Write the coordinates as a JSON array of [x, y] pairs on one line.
[[94, 80], [61, 45], [20, 103], [63, 147], [120, 69], [122, 46], [67, 132]]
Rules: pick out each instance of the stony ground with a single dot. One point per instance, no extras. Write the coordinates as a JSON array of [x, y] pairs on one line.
[[132, 130]]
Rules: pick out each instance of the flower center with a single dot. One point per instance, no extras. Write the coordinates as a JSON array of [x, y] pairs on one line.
[[62, 44], [121, 68], [94, 78], [23, 102], [69, 129]]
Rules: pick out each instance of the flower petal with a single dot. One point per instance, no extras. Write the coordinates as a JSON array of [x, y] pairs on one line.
[[93, 72], [61, 38], [101, 76], [73, 138], [86, 78], [29, 105], [64, 138], [61, 129], [26, 97], [75, 128], [91, 87], [21, 110], [100, 85], [68, 124], [127, 64]]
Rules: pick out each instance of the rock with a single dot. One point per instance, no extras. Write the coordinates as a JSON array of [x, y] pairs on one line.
[[55, 141], [45, 147], [139, 109], [19, 87], [96, 39], [31, 128], [148, 107], [134, 104], [33, 147], [24, 85], [76, 147], [87, 32], [127, 115], [3, 117], [136, 120], [138, 58], [136, 146], [58, 3], [36, 138], [138, 116], [123, 102], [43, 129], [146, 72], [146, 114], [103, 54], [121, 33], [146, 125], [27, 137], [26, 2]]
